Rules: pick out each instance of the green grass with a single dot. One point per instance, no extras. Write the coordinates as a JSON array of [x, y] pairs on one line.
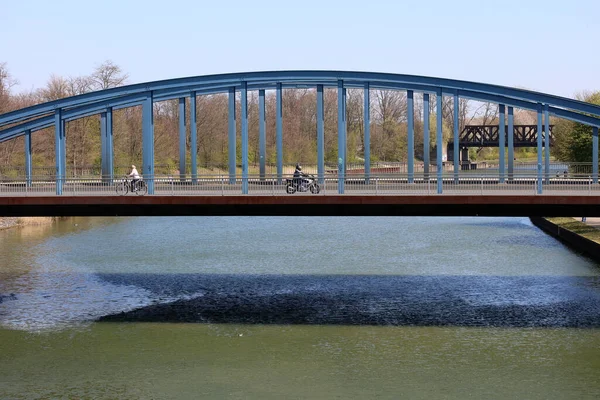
[[577, 227]]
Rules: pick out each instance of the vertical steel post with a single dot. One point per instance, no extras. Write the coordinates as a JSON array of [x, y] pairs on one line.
[[367, 139], [148, 141], [411, 135], [194, 137], [232, 137], [595, 154], [262, 135], [244, 91], [107, 153], [341, 136], [59, 135], [279, 133], [110, 152], [439, 141], [28, 157], [501, 142], [182, 139], [426, 136], [511, 143], [539, 148], [63, 148], [547, 143], [320, 135], [103, 151], [456, 148]]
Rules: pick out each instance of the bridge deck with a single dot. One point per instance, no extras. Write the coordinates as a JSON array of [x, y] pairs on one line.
[[335, 205]]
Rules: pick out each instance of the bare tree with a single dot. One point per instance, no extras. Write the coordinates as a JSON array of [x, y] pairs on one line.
[[486, 113], [6, 84], [79, 85], [108, 75], [389, 111], [56, 88]]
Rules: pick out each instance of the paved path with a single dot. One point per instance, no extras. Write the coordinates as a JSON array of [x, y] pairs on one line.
[[591, 221]]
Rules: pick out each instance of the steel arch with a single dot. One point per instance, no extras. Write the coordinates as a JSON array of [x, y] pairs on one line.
[[58, 112]]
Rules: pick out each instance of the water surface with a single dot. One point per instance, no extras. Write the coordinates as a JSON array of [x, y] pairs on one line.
[[296, 308]]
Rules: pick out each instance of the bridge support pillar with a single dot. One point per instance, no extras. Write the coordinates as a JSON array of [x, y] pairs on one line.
[[367, 139], [148, 142], [547, 143], [182, 140], [341, 136], [438, 142], [106, 133], [464, 155], [244, 105], [511, 143], [411, 135], [426, 136], [60, 151], [539, 148], [103, 147], [456, 140], [232, 137], [262, 135], [110, 152], [595, 154], [193, 138], [501, 142], [279, 132], [28, 157], [320, 136]]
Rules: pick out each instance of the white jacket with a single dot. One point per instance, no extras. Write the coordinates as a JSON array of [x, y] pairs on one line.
[[134, 174]]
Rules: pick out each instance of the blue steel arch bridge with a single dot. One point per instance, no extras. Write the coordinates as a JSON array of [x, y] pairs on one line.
[[440, 180]]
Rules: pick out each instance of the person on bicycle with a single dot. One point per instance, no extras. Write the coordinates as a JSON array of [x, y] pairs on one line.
[[135, 176], [298, 174]]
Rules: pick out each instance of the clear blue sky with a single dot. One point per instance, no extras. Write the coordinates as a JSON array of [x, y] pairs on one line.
[[551, 45]]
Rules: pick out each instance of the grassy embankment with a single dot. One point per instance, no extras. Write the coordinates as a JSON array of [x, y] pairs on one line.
[[578, 227]]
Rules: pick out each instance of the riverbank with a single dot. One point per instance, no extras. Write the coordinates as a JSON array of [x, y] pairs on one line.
[[580, 236], [13, 222]]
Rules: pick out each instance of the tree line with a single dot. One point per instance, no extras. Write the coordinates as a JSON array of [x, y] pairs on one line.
[[388, 125]]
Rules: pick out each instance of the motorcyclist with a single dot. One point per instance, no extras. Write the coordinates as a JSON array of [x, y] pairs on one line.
[[298, 174]]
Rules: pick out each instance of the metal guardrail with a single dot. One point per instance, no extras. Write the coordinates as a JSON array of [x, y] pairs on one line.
[[376, 168], [271, 185]]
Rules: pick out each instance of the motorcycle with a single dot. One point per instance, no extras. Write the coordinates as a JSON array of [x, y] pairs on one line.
[[308, 183]]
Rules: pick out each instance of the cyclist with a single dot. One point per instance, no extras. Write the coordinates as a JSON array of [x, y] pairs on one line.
[[135, 176]]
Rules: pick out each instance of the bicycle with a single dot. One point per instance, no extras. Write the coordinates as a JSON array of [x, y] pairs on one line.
[[140, 188]]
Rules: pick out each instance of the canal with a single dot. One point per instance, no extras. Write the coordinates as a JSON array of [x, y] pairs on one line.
[[304, 308]]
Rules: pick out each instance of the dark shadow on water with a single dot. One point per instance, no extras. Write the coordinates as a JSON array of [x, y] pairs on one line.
[[528, 240], [486, 301], [499, 223]]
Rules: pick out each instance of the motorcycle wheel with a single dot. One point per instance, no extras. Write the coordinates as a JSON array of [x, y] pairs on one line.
[[290, 189], [314, 188]]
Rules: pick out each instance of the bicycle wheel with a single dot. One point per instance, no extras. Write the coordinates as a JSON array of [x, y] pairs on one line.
[[122, 188], [141, 188]]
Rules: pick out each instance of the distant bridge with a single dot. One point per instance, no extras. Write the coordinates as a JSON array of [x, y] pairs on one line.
[[487, 136]]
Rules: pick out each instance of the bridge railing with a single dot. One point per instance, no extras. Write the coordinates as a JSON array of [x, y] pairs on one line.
[[557, 168], [271, 185]]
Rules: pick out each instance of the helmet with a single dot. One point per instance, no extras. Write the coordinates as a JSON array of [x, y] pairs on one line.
[[298, 167]]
